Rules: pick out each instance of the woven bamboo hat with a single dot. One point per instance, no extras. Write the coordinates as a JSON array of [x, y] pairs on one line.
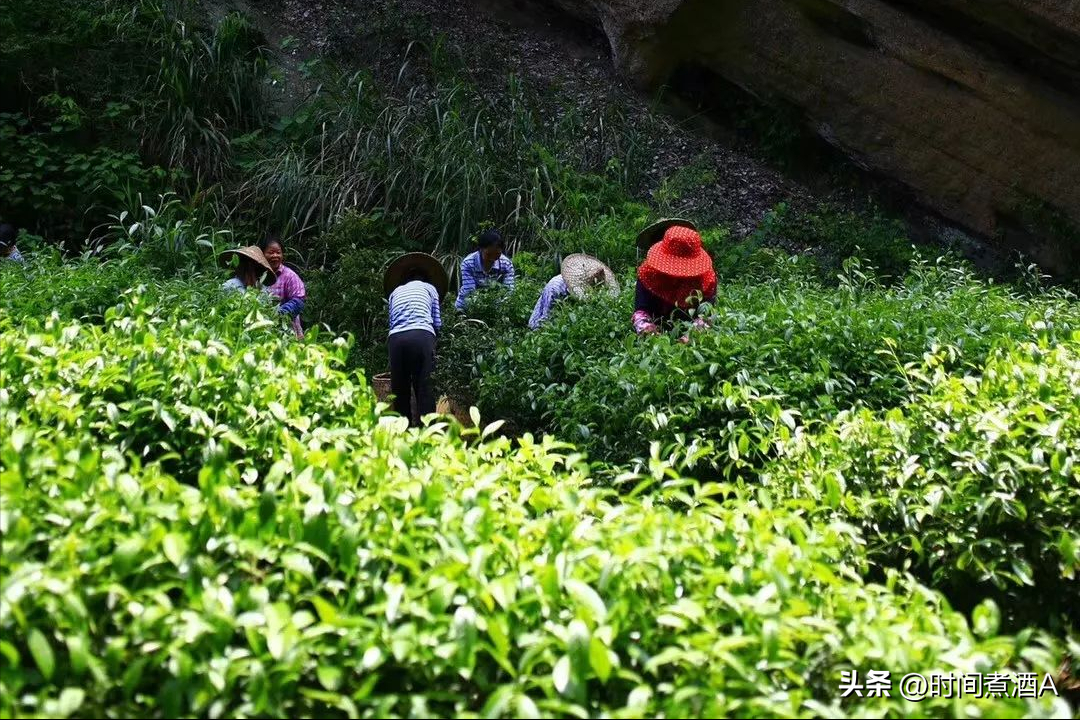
[[655, 232], [253, 253], [582, 272], [399, 269]]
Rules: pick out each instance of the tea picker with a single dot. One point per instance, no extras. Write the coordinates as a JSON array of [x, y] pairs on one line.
[[487, 265], [578, 275], [8, 251], [250, 269], [676, 276], [289, 289], [415, 284]]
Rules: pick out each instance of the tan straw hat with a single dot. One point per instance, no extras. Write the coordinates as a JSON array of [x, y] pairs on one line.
[[581, 272], [253, 253], [399, 269], [655, 232]]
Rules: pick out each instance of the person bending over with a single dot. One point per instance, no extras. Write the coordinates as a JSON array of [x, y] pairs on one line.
[[416, 282], [486, 265]]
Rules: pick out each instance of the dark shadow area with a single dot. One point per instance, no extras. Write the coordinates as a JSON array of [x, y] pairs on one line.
[[779, 133], [1017, 38], [838, 21]]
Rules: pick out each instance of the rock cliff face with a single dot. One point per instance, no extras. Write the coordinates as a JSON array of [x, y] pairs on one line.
[[973, 104]]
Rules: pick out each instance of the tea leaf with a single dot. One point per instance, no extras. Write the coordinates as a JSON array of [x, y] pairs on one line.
[[42, 653]]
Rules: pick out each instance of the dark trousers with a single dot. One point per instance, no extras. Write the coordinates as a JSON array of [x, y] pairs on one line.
[[412, 361]]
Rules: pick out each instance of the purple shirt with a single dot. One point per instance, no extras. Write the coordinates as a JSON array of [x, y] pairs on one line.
[[290, 291]]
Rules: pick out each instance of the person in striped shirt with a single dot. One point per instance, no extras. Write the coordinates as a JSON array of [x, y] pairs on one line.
[[415, 321], [484, 266]]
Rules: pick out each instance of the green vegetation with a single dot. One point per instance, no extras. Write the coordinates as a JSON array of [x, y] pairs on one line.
[[974, 479], [786, 352], [867, 461], [204, 516]]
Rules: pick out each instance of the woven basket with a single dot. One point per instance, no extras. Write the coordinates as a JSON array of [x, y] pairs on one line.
[[444, 405], [381, 384]]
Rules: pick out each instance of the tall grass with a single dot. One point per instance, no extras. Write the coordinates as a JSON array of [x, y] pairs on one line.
[[447, 160], [208, 86]]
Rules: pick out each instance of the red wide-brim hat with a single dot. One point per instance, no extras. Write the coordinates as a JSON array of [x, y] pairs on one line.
[[680, 254]]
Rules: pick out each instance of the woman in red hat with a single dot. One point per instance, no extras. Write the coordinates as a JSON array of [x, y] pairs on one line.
[[676, 276]]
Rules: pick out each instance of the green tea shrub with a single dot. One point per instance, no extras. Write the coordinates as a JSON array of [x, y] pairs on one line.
[[836, 234], [295, 553], [33, 290], [492, 316], [778, 357], [155, 380], [975, 482]]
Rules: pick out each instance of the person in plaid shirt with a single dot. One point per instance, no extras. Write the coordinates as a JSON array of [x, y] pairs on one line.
[[486, 265]]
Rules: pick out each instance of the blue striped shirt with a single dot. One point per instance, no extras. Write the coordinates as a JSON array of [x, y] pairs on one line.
[[473, 275], [415, 306]]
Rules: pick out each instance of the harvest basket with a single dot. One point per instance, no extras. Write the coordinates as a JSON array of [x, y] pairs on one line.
[[444, 406]]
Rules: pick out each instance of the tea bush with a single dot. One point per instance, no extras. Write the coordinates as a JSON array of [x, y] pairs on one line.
[[204, 516], [87, 291], [780, 355], [166, 405], [975, 482]]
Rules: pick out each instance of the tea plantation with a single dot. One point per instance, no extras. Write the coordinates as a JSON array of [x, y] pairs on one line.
[[204, 517]]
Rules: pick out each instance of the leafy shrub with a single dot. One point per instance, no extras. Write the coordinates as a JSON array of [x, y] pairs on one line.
[[975, 482], [779, 355], [50, 181], [492, 316], [89, 289], [167, 403], [280, 549], [838, 234]]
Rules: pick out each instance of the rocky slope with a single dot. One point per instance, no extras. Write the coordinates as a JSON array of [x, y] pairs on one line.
[[972, 104], [551, 51]]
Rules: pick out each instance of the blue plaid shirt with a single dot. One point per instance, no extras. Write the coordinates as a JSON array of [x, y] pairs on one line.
[[553, 291], [473, 275], [415, 306]]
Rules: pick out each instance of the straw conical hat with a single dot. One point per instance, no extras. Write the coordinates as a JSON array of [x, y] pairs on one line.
[[655, 232], [432, 268], [580, 273], [251, 252]]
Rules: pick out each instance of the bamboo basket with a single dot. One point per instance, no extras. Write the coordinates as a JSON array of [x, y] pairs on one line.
[[444, 406]]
